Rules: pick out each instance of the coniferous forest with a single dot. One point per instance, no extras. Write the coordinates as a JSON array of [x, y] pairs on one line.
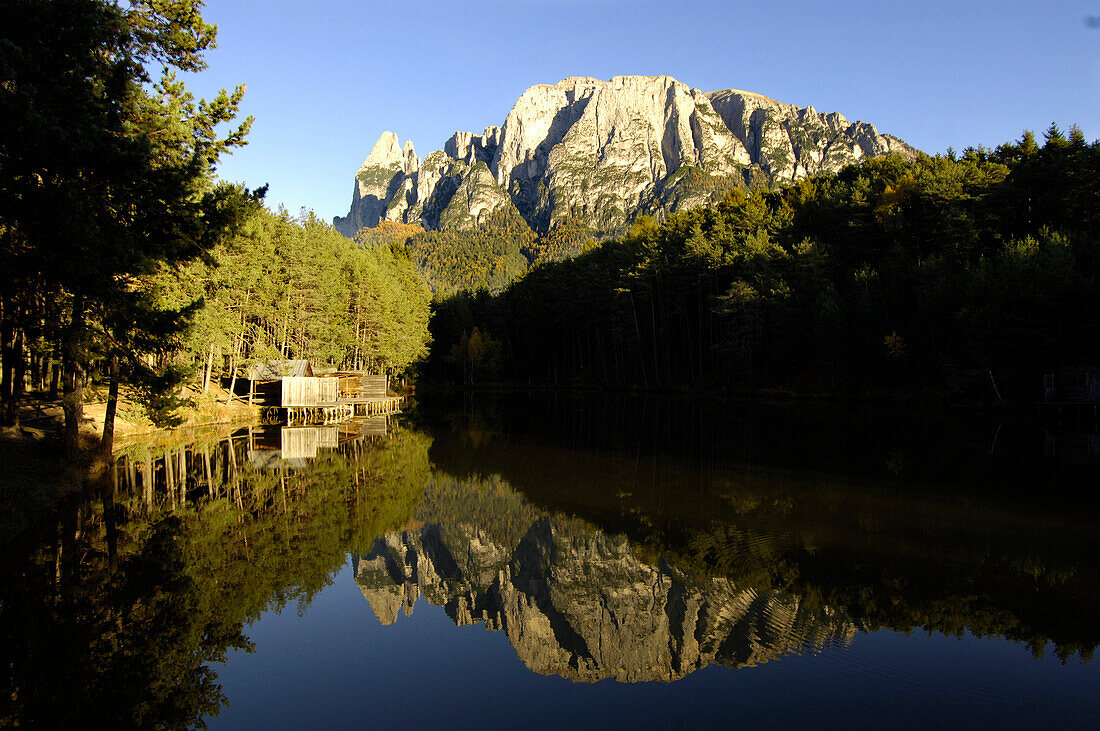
[[126, 261], [969, 274], [647, 381]]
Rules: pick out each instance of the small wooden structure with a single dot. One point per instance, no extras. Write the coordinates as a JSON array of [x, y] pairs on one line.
[[376, 387], [309, 391], [1073, 447], [1076, 386], [292, 385], [265, 380], [1072, 395]]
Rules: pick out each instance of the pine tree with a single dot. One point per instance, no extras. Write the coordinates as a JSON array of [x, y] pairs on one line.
[[103, 175]]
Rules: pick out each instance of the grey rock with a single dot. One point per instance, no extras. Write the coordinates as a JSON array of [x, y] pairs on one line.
[[602, 152], [580, 604]]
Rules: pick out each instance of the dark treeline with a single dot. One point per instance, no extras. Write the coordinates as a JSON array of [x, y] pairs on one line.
[[489, 256], [937, 272]]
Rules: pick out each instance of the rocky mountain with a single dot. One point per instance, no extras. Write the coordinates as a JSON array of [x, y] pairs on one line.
[[582, 605], [599, 153]]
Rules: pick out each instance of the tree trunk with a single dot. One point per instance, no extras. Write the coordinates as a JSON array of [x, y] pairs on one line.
[[9, 414], [110, 515], [106, 444], [18, 382], [209, 471], [73, 387], [148, 481], [36, 372], [209, 368], [55, 374], [233, 369], [232, 379]]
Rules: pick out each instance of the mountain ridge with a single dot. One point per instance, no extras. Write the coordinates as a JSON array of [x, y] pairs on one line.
[[600, 153]]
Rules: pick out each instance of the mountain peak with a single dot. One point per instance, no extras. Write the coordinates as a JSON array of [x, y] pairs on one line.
[[600, 153], [386, 151]]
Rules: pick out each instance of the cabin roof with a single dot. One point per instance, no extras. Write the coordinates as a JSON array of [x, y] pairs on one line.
[[273, 370]]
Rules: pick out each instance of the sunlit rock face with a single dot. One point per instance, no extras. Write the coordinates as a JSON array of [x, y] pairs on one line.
[[581, 605], [601, 152]]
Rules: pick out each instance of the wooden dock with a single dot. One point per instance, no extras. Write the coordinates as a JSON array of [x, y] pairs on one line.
[[292, 388], [341, 409]]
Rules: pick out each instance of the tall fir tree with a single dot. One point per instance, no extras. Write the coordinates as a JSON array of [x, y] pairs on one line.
[[105, 176]]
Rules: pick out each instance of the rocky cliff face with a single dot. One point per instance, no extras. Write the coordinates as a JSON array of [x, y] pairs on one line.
[[581, 605], [601, 152]]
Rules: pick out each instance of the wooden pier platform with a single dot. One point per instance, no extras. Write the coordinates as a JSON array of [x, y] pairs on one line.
[[291, 388], [342, 409]]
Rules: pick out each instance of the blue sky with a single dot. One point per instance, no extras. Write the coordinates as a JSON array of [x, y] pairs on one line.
[[325, 79]]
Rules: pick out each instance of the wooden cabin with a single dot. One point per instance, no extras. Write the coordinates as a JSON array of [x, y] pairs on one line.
[[309, 391], [265, 380], [306, 395], [1072, 386], [373, 387]]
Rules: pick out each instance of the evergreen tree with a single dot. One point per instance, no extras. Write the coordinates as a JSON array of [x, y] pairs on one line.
[[103, 175]]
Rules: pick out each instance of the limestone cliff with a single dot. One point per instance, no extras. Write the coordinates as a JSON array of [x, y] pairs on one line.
[[580, 604], [601, 152]]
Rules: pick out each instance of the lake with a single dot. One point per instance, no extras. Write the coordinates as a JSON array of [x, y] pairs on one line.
[[547, 560]]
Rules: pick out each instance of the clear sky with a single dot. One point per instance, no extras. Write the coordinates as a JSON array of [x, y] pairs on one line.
[[325, 79]]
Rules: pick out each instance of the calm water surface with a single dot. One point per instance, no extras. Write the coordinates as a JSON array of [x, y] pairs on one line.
[[543, 560]]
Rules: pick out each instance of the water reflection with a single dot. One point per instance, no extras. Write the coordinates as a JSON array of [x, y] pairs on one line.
[[580, 603], [962, 541], [600, 541], [115, 614]]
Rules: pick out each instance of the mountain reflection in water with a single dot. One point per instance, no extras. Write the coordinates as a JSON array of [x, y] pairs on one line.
[[579, 603], [603, 539]]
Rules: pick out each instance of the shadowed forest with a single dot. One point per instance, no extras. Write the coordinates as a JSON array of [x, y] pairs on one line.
[[947, 274]]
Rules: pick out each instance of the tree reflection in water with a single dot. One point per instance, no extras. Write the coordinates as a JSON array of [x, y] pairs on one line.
[[113, 615], [598, 549]]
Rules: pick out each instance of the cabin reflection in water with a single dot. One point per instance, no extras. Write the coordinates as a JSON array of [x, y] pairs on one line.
[[209, 465], [1079, 447], [295, 446]]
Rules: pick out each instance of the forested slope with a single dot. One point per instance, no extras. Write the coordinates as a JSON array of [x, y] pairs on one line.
[[294, 288], [940, 272]]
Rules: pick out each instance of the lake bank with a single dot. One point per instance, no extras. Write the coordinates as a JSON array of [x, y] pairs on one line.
[[42, 477]]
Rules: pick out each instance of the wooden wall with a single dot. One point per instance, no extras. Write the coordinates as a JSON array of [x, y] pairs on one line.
[[309, 391], [373, 386], [298, 442]]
